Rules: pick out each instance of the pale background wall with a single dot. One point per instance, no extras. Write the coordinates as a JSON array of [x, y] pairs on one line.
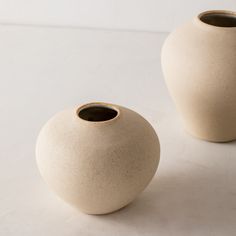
[[149, 15]]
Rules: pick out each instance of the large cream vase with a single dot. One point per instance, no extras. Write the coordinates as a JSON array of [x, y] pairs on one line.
[[199, 65]]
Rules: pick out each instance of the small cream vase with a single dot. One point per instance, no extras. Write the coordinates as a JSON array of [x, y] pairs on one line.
[[199, 65], [98, 157]]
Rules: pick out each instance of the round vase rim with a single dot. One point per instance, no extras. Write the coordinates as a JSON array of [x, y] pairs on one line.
[[223, 12], [101, 104]]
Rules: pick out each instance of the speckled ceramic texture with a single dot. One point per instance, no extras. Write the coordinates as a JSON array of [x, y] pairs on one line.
[[199, 65], [98, 166]]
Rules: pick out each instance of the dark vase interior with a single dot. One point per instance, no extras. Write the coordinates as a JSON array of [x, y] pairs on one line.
[[219, 19], [97, 113]]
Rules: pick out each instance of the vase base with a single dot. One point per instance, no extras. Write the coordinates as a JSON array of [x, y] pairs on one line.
[[209, 139]]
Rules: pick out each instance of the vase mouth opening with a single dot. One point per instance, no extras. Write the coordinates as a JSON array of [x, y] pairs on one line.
[[98, 112], [218, 18]]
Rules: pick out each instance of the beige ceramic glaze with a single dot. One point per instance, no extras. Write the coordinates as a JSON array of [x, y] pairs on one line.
[[98, 157], [199, 65]]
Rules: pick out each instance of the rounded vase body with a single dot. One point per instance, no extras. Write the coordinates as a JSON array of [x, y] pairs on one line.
[[97, 157], [199, 66]]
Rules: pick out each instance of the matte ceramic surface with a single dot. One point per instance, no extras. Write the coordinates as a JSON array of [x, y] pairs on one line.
[[199, 65], [98, 157]]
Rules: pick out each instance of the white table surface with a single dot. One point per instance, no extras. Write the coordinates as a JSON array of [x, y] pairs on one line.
[[44, 70]]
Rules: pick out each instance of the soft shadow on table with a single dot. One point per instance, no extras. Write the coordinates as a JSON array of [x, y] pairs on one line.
[[198, 201]]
